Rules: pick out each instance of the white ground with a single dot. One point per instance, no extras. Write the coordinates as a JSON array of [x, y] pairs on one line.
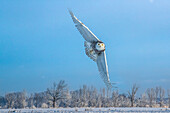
[[90, 110]]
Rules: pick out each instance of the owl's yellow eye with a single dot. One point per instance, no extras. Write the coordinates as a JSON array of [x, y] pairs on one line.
[[102, 44]]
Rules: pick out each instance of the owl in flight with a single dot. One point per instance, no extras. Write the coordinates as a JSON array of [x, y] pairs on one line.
[[95, 49]]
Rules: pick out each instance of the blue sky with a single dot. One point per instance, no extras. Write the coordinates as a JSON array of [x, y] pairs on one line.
[[39, 43]]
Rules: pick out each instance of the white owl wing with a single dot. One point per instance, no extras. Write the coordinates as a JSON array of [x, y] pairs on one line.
[[84, 31], [103, 69]]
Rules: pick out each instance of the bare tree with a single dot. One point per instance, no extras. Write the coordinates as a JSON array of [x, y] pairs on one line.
[[60, 96], [115, 96], [67, 100], [168, 97], [10, 100], [2, 102], [161, 95], [143, 101], [74, 98], [151, 96], [30, 101], [156, 94], [123, 100], [16, 99], [57, 92], [103, 98], [132, 94], [103, 92], [99, 100], [39, 99], [84, 99], [20, 99]]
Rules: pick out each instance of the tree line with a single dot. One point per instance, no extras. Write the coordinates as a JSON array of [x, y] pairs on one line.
[[86, 96]]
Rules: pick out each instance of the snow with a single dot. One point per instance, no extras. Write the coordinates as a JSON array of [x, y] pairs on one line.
[[90, 110]]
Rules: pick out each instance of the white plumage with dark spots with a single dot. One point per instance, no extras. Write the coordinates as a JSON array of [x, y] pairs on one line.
[[95, 49]]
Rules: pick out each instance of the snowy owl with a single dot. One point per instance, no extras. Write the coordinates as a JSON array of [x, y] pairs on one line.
[[95, 49]]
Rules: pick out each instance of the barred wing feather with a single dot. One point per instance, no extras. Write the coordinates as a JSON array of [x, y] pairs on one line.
[[103, 69], [84, 31]]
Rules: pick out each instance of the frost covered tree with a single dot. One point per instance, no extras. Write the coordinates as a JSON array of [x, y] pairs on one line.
[[161, 96], [39, 99], [103, 98], [84, 96], [87, 96], [74, 98], [151, 96], [132, 94], [92, 97], [123, 100], [2, 102], [67, 101], [10, 100], [20, 99], [57, 92], [143, 101], [30, 101], [99, 101], [168, 91], [16, 99], [156, 94], [115, 96]]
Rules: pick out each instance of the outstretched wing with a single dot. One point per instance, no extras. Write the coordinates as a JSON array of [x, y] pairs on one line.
[[103, 69], [84, 31]]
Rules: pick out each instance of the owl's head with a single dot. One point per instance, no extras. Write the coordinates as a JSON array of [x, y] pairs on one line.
[[100, 46]]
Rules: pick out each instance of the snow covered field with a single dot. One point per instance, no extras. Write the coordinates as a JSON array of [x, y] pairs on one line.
[[90, 110]]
